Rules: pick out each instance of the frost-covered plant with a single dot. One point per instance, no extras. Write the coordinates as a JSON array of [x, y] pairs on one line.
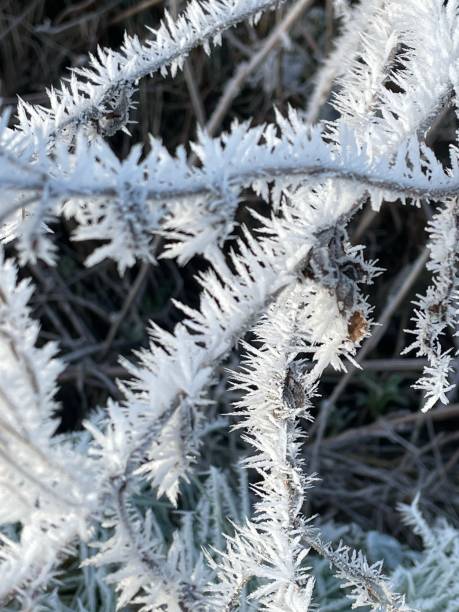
[[46, 481], [427, 577], [297, 282], [430, 581]]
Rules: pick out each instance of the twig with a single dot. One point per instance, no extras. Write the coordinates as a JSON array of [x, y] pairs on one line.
[[136, 287], [74, 8], [329, 14], [246, 69], [195, 97], [29, 8], [278, 165], [49, 29], [382, 427], [134, 10], [150, 58]]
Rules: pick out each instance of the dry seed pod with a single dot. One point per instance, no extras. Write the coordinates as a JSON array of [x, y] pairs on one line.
[[357, 326]]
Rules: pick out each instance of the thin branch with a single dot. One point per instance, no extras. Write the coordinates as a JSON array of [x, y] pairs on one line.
[[134, 10], [133, 293], [295, 159], [110, 80], [245, 70], [384, 427]]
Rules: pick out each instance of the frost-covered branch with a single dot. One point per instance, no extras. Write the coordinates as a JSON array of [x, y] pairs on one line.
[[57, 488], [269, 548], [157, 433], [138, 553], [160, 426], [369, 587], [272, 547], [167, 439], [375, 149], [99, 96], [430, 580], [436, 311], [126, 203], [413, 47]]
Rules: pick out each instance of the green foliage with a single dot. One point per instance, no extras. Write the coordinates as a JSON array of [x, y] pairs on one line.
[[378, 393]]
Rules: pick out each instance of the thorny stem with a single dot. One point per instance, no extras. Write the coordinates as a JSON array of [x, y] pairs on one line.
[[373, 586], [120, 489], [95, 106], [293, 402], [405, 187]]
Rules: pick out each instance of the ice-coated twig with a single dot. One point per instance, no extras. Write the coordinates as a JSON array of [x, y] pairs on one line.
[[99, 96]]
